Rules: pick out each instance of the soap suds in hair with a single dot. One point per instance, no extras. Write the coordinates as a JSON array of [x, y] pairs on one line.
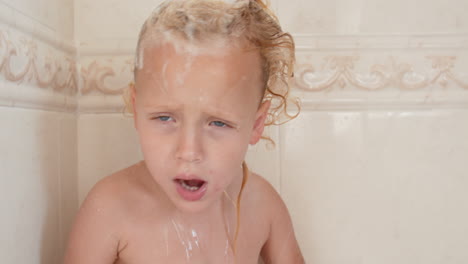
[[190, 30], [194, 27], [139, 62]]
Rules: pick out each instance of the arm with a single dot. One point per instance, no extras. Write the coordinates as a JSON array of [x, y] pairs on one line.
[[93, 239], [281, 246]]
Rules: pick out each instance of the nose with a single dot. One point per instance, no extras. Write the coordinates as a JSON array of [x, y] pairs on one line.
[[189, 147]]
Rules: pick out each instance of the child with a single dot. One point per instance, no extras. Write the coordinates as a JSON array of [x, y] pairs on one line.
[[209, 76]]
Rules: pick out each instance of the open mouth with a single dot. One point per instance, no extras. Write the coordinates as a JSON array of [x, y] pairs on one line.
[[192, 189], [191, 185]]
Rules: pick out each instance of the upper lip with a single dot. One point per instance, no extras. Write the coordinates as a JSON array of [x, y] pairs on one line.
[[185, 176]]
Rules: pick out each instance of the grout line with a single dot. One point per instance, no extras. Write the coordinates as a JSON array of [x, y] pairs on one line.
[[59, 180]]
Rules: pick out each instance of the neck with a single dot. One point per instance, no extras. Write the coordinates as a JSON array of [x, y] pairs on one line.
[[225, 206]]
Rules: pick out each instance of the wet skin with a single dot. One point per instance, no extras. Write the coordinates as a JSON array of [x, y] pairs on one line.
[[195, 117]]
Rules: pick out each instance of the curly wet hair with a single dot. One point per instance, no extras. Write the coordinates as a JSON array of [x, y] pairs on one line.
[[242, 20]]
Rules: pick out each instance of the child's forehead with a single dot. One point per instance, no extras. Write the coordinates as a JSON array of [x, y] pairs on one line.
[[229, 73], [206, 59]]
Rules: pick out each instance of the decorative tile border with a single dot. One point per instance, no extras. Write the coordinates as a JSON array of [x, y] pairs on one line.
[[96, 73], [331, 70], [36, 71], [49, 74], [335, 72], [103, 80], [339, 71]]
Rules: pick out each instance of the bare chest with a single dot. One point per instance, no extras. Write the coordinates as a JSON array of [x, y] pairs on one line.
[[173, 242]]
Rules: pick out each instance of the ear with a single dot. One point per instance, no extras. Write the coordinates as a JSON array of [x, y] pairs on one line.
[[259, 124], [132, 98]]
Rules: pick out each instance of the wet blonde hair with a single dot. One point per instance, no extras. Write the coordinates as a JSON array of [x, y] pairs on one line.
[[201, 21]]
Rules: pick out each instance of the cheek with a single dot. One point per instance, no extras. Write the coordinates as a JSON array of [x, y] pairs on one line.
[[156, 148], [231, 152], [229, 146], [226, 160]]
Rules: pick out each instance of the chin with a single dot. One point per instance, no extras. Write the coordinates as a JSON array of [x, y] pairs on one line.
[[192, 207]]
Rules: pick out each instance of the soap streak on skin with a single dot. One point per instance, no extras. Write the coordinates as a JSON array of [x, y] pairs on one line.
[[187, 67], [226, 249], [228, 233], [190, 240], [195, 236], [165, 85], [166, 237], [188, 249], [180, 78]]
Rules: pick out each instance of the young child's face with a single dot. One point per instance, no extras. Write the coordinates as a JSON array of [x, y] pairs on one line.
[[195, 116]]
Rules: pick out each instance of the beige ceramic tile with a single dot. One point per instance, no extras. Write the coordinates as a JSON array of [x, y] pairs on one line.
[[106, 144], [68, 173], [384, 187], [109, 20], [359, 16], [30, 193], [417, 16]]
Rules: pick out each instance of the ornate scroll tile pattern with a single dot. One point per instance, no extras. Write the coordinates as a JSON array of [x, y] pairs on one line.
[[336, 71], [20, 61], [97, 73], [339, 71]]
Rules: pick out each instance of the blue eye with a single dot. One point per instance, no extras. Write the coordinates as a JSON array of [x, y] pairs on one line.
[[164, 118], [219, 124]]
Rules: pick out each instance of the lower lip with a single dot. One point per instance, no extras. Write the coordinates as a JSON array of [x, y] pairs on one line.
[[189, 195]]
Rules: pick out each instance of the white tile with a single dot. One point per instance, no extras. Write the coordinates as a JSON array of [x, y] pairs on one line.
[[69, 175], [66, 19], [106, 144], [386, 187], [377, 16], [306, 16], [415, 16], [29, 163], [110, 20], [5, 93]]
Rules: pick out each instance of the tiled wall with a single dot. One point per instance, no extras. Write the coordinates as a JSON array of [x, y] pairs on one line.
[[373, 170], [38, 135]]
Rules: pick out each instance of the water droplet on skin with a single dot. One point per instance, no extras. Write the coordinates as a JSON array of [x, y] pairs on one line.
[[226, 250], [166, 237], [195, 236], [182, 238]]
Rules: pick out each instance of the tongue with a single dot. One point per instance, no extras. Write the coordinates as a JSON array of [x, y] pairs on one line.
[[194, 183]]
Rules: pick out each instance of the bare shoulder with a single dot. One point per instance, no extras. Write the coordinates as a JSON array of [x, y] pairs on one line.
[[124, 187], [96, 236], [263, 202], [262, 193], [280, 245], [112, 194]]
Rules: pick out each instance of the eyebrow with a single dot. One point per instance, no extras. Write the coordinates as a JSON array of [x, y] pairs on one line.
[[210, 111]]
